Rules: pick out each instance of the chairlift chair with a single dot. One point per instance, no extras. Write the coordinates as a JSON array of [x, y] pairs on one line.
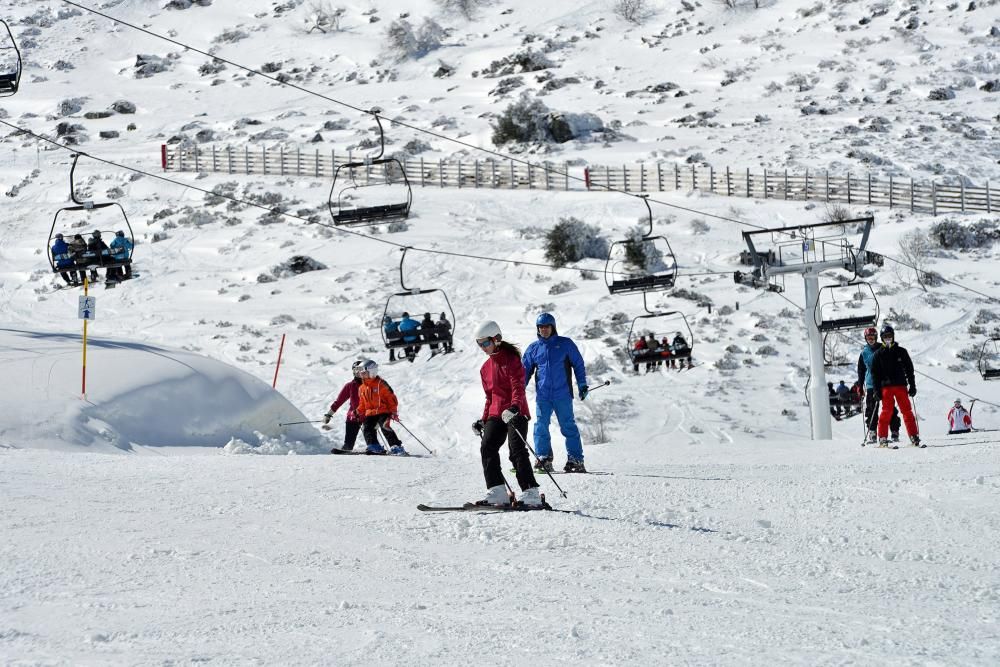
[[988, 355], [87, 260], [646, 264], [10, 72], [662, 324], [348, 205], [844, 307], [395, 306]]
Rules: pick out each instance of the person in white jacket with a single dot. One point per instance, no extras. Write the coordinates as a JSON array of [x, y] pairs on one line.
[[960, 419]]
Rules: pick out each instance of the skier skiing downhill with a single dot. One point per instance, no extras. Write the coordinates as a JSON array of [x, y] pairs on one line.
[[551, 359], [960, 419], [505, 418], [892, 374], [377, 405], [873, 397], [348, 394]]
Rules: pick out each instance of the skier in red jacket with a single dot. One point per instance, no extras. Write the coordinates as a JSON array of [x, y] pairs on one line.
[[505, 418], [348, 394]]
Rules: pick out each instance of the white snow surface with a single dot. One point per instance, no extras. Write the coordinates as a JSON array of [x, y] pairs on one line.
[[137, 525]]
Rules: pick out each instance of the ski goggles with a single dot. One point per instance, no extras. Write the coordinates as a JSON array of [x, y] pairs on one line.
[[485, 343]]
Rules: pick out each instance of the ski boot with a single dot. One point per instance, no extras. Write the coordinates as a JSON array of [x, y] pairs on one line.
[[532, 498], [574, 466], [872, 438], [915, 441], [496, 496], [895, 436], [397, 450], [883, 443], [543, 464], [375, 449]]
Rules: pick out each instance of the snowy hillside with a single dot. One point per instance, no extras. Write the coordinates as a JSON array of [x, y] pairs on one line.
[[722, 533]]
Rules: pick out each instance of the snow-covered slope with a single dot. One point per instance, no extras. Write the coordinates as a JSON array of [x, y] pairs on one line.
[[724, 534]]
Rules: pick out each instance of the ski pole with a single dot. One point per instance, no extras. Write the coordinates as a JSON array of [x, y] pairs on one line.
[[603, 384], [563, 493], [416, 438], [308, 421]]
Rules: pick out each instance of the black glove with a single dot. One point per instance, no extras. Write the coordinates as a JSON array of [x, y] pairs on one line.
[[912, 390], [510, 413], [584, 391], [477, 427], [327, 417]]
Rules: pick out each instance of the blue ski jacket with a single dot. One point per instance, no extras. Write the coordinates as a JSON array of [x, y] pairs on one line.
[[865, 360], [552, 361]]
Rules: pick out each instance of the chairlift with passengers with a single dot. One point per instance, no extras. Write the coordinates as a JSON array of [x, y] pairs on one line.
[[10, 63], [381, 193], [118, 264], [433, 301], [643, 264], [670, 325], [989, 358]]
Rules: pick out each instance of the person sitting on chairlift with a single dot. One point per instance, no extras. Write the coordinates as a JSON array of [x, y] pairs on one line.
[[409, 327], [444, 333], [99, 248], [391, 329], [62, 259], [428, 330], [121, 250]]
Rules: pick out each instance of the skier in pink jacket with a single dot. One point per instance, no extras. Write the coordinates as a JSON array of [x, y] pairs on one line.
[[348, 394]]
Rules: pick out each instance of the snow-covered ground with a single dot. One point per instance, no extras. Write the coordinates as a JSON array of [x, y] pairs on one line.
[[145, 523]]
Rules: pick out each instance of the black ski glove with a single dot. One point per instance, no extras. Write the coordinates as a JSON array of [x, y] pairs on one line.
[[913, 390], [477, 427]]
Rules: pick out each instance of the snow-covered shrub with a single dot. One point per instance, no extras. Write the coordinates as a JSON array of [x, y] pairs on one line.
[[230, 37], [766, 351], [727, 363], [466, 8], [951, 234], [562, 288], [906, 321], [529, 120], [322, 16], [571, 240], [592, 330], [296, 265], [147, 65], [404, 41], [632, 11], [521, 62]]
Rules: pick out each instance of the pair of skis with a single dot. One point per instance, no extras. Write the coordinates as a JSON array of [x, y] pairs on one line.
[[474, 507]]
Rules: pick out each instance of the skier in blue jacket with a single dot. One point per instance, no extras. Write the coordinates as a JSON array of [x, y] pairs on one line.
[[552, 359], [410, 329]]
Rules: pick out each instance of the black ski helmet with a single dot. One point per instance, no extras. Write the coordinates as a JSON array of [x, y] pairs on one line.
[[887, 331]]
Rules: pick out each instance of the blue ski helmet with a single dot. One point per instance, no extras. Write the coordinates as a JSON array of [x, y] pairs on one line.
[[545, 319], [887, 331]]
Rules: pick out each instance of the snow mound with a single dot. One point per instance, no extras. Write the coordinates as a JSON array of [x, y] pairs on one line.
[[137, 394]]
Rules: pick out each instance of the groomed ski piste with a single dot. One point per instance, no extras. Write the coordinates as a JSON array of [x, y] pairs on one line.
[[167, 517]]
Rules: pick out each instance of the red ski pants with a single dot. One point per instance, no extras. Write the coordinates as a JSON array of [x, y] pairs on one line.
[[896, 395]]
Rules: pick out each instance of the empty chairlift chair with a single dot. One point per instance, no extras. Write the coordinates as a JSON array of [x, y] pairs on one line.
[[989, 358], [643, 263], [10, 62], [370, 191], [845, 307]]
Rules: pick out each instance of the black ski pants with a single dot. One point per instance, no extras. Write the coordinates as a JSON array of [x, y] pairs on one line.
[[380, 422], [871, 413], [351, 430], [495, 433]]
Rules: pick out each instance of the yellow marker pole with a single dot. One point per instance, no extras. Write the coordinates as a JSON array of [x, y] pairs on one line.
[[84, 387]]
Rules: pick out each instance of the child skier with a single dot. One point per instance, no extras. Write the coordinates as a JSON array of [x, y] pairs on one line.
[[348, 394], [377, 405]]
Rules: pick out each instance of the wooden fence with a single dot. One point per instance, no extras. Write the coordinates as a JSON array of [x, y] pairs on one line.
[[868, 190]]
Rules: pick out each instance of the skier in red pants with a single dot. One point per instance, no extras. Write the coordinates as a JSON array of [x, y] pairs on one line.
[[892, 373]]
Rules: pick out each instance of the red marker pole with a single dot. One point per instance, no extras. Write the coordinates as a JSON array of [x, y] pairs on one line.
[[276, 368]]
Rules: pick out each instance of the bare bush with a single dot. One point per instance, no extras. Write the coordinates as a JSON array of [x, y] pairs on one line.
[[914, 249], [632, 11], [322, 16], [466, 8]]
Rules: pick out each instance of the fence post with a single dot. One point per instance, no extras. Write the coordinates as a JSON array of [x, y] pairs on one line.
[[934, 197], [422, 172], [659, 177], [263, 150], [989, 204], [625, 178], [459, 174], [677, 177], [848, 187], [316, 164], [890, 191], [493, 173], [298, 161], [215, 158], [513, 177], [281, 160], [694, 178], [748, 183], [962, 184], [246, 159], [765, 182], [566, 176], [196, 165], [827, 186], [477, 172], [869, 188], [729, 184], [546, 168], [786, 184], [229, 158], [642, 177], [607, 177], [531, 178], [807, 184], [440, 173], [912, 203]]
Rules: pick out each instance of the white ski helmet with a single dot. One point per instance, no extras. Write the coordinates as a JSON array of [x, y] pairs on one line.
[[488, 329], [369, 366]]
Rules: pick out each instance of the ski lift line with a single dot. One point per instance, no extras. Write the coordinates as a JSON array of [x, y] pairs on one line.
[[372, 112], [938, 276]]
